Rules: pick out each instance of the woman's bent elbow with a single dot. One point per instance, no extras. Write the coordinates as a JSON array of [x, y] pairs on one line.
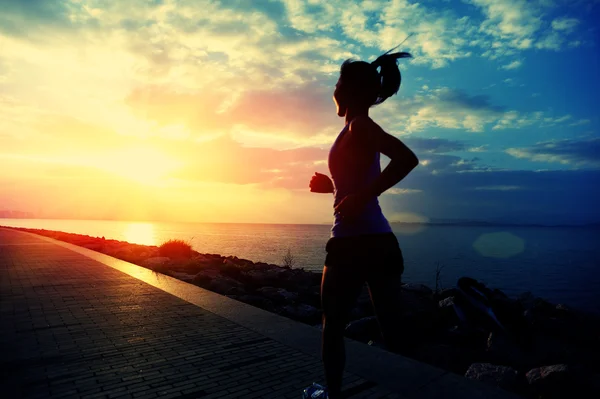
[[414, 162]]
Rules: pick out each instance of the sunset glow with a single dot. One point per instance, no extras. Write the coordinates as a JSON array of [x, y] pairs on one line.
[[213, 111]]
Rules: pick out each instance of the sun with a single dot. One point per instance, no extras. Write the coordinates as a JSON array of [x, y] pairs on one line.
[[145, 165]]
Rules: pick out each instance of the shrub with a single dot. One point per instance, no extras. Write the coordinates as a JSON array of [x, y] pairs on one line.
[[289, 261], [175, 249]]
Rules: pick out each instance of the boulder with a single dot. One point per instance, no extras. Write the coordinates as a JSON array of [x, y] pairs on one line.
[[502, 349], [447, 313], [94, 246], [448, 302], [230, 269], [550, 381], [302, 312], [204, 277], [277, 295], [156, 261], [445, 293], [258, 301], [182, 276], [265, 277], [500, 376], [465, 337], [224, 285]]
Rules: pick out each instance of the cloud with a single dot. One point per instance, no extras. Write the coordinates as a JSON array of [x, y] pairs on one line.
[[580, 122], [498, 188], [402, 191], [433, 145], [565, 24], [449, 108], [577, 153], [481, 148], [303, 112], [514, 19], [552, 41], [225, 160], [513, 65], [512, 26]]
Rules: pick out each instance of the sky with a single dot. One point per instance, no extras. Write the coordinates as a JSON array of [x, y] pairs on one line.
[[221, 111]]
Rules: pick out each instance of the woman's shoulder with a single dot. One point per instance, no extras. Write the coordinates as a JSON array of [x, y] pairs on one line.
[[363, 125]]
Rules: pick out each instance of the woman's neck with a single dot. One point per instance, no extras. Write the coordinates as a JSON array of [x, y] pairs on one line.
[[353, 113]]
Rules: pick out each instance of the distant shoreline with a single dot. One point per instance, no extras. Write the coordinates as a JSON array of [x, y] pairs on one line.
[[465, 223]]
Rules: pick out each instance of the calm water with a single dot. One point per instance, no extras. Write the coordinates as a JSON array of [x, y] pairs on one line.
[[559, 264]]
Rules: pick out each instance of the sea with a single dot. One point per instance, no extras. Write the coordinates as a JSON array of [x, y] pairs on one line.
[[560, 264]]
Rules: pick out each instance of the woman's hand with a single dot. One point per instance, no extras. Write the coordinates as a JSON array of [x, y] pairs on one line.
[[321, 184], [351, 206]]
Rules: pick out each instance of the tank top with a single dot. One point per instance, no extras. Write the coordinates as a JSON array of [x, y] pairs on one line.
[[347, 180]]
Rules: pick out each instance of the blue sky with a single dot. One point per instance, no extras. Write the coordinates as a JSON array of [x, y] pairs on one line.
[[221, 111]]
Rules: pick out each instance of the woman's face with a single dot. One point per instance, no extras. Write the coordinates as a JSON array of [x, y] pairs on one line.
[[339, 99]]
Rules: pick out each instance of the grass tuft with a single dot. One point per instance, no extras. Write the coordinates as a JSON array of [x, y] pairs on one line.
[[176, 249]]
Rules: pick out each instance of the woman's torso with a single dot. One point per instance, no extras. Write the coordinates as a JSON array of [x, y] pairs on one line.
[[350, 177]]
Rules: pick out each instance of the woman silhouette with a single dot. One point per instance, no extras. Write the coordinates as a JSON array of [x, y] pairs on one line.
[[362, 247]]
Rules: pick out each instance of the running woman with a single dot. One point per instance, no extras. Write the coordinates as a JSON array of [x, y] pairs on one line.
[[362, 248]]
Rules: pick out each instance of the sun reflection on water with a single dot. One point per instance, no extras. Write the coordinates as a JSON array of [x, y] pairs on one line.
[[140, 233]]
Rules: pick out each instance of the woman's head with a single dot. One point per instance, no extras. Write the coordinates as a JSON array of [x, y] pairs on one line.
[[361, 85]]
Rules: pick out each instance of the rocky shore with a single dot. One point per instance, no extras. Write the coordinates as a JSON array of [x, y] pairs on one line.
[[533, 348]]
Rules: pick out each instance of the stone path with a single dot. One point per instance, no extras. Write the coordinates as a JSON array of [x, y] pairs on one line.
[[76, 323]]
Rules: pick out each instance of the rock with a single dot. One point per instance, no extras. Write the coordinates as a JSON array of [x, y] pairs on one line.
[[302, 312], [230, 269], [417, 288], [465, 337], [182, 276], [446, 302], [555, 350], [237, 290], [526, 300], [550, 381], [224, 285], [500, 376], [204, 277], [364, 330], [503, 350], [414, 301], [156, 261], [94, 246], [447, 313], [277, 294], [446, 293], [498, 295], [258, 301], [265, 277], [419, 315]]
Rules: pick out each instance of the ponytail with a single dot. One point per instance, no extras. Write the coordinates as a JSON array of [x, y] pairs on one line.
[[373, 83], [389, 74]]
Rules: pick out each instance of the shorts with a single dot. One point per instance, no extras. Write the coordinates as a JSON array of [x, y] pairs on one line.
[[370, 253]]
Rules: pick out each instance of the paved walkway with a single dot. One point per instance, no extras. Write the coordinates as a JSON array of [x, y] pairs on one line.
[[77, 323]]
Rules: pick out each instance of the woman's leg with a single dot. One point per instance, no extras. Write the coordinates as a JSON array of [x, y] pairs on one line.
[[340, 288], [384, 289]]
